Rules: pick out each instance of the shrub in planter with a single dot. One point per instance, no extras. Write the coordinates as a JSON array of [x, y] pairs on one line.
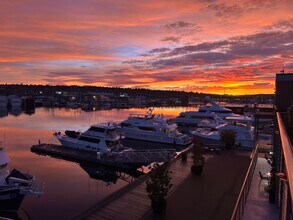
[[158, 186], [228, 138]]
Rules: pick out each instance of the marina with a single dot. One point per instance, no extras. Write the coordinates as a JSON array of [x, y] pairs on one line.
[[146, 110], [128, 159], [109, 157], [64, 180]]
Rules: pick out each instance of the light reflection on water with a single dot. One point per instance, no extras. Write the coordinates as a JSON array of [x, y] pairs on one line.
[[68, 188]]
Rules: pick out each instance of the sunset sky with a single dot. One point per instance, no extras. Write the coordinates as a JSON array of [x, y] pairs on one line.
[[214, 46]]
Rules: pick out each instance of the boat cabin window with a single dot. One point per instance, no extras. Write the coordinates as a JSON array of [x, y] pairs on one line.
[[223, 111], [97, 129], [125, 125], [88, 139], [146, 128]]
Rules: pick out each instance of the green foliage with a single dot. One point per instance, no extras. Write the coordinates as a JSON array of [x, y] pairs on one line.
[[228, 138], [159, 183], [197, 154]]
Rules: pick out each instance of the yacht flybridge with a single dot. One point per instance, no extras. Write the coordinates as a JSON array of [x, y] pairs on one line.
[[99, 138], [14, 185], [152, 128], [217, 109]]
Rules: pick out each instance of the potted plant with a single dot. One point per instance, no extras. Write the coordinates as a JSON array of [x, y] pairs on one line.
[[158, 186], [228, 138], [197, 158]]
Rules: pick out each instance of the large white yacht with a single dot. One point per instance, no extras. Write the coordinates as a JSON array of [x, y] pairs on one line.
[[152, 128], [14, 185], [3, 101], [217, 109], [194, 118], [99, 138], [212, 112], [244, 134]]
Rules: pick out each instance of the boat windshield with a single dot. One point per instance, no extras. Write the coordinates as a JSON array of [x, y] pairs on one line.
[[97, 129]]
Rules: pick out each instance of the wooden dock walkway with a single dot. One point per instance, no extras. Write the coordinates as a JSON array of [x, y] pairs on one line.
[[132, 202], [127, 159]]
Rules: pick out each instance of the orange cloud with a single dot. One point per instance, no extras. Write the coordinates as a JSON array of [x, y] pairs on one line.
[[209, 46]]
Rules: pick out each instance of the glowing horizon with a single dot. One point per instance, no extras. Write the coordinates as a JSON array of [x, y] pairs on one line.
[[214, 46]]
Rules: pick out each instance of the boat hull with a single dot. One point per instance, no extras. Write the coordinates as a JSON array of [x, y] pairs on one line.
[[177, 141], [73, 143], [215, 141], [10, 199]]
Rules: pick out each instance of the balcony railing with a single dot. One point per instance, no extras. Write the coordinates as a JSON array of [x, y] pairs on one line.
[[285, 186], [240, 204]]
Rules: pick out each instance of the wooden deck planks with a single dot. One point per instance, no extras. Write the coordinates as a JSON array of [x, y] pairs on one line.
[[135, 203]]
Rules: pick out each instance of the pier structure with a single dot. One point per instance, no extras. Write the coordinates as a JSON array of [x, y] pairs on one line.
[[210, 196], [128, 159]]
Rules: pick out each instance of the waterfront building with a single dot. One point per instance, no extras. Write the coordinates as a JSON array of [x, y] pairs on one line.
[[283, 148], [284, 91]]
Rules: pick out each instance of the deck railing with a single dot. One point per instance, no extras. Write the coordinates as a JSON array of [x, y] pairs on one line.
[[240, 204], [285, 165]]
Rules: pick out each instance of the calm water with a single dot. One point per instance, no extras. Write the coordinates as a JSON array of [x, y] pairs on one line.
[[68, 188]]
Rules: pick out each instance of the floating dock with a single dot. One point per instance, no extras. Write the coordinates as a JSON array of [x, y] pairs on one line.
[[127, 159]]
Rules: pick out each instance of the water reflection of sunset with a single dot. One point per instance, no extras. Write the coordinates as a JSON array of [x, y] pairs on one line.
[[65, 181]]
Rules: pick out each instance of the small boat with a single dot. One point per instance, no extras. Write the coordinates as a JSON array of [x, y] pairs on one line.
[[15, 185], [101, 138], [211, 137], [152, 128]]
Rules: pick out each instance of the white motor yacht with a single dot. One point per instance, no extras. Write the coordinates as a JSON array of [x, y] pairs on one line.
[[211, 137], [194, 118], [152, 128], [99, 138], [220, 111], [14, 185], [212, 112]]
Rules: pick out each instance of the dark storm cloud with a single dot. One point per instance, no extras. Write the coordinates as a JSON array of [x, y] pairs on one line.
[[179, 25], [284, 24], [171, 39], [160, 50], [182, 28], [193, 59], [226, 11], [222, 53]]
